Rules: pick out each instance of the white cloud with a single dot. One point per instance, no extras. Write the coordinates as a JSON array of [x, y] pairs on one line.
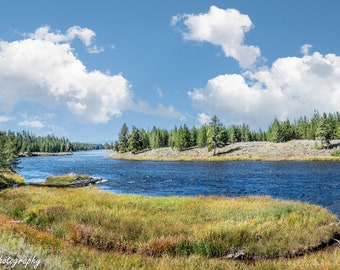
[[225, 28], [31, 124], [95, 49], [292, 87], [44, 33], [305, 49], [160, 93], [43, 68], [203, 118], [4, 119]]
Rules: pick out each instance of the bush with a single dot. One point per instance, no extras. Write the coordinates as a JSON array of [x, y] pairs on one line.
[[335, 153]]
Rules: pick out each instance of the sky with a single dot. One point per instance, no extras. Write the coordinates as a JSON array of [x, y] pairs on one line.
[[80, 69]]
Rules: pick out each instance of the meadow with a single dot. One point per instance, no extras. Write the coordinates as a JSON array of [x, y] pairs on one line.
[[85, 228]]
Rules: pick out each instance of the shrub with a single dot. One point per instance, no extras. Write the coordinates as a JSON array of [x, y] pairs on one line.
[[335, 153]]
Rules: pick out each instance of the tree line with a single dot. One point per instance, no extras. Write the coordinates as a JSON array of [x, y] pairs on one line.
[[323, 127], [14, 144]]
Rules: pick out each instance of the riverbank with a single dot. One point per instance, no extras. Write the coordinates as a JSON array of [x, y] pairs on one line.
[[34, 154], [91, 229], [292, 150]]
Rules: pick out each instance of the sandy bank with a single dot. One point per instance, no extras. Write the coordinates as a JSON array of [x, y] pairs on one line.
[[292, 150]]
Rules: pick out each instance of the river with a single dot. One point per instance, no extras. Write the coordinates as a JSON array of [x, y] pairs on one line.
[[313, 182]]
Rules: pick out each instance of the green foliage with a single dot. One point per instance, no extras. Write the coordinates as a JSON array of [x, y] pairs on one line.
[[202, 136], [335, 153], [183, 137], [123, 139], [325, 130], [134, 141], [65, 179], [217, 135]]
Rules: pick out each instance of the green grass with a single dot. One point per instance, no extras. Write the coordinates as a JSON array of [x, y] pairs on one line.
[[65, 179], [92, 229], [9, 178]]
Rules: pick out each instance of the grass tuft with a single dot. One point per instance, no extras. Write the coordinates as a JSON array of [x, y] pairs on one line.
[[65, 179]]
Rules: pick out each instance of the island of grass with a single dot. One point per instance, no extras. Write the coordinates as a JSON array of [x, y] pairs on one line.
[[93, 229]]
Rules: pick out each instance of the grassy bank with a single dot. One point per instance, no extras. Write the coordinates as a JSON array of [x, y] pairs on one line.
[[91, 229], [9, 178]]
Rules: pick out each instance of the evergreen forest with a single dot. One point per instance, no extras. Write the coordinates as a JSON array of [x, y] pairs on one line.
[[15, 144], [321, 127]]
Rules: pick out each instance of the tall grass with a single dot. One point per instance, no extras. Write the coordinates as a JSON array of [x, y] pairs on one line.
[[65, 179], [90, 229], [173, 226], [9, 178]]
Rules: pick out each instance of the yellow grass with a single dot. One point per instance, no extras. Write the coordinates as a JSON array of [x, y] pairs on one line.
[[92, 229], [65, 179]]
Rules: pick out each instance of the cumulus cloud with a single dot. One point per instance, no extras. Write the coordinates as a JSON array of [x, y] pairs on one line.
[[225, 28], [290, 88], [42, 67]]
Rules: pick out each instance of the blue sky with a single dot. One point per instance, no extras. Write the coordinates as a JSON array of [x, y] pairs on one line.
[[80, 69]]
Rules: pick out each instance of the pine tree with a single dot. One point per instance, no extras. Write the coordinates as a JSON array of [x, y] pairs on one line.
[[202, 136], [134, 141], [182, 140], [193, 136], [324, 131], [214, 134], [123, 138]]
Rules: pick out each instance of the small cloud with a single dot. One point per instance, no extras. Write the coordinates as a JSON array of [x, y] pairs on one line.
[[49, 115], [305, 49], [31, 124], [95, 49], [160, 93], [160, 110], [4, 119], [203, 118]]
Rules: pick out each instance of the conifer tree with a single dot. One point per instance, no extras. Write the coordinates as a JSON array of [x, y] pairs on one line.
[[202, 136], [123, 138], [214, 134]]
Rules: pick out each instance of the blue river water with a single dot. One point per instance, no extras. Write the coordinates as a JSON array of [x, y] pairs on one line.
[[313, 182]]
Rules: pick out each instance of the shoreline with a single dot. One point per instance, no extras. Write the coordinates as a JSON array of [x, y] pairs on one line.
[[296, 150], [44, 154]]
